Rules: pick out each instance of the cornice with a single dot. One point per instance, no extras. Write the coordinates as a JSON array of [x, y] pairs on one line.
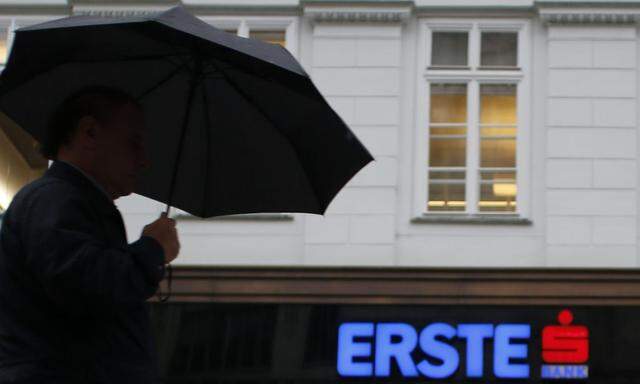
[[118, 11], [588, 13], [368, 14], [372, 11]]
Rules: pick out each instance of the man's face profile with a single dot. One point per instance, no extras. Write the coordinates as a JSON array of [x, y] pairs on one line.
[[119, 149]]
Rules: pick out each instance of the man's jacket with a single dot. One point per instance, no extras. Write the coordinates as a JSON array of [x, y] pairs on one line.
[[72, 290]]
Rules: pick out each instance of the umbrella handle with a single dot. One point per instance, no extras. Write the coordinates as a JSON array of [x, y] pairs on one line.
[[160, 298], [163, 299]]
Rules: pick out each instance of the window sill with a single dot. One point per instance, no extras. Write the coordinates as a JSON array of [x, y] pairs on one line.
[[471, 219], [499, 68], [245, 217], [448, 68]]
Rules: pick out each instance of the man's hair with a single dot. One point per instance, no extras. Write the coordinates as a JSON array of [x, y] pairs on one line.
[[98, 101]]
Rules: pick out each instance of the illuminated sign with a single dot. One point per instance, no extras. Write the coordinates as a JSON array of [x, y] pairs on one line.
[[368, 349], [565, 348]]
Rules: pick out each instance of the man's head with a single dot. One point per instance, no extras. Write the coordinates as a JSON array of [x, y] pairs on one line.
[[100, 129]]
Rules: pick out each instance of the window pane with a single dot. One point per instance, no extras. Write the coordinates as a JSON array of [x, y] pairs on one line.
[[498, 104], [443, 176], [496, 153], [273, 37], [499, 49], [498, 191], [446, 197], [448, 103], [448, 130], [506, 176], [498, 131], [447, 152], [449, 49]]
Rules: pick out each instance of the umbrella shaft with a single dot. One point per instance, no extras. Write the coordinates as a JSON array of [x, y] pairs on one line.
[[195, 75]]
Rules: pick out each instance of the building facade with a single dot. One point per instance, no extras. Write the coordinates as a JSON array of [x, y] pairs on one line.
[[505, 137], [504, 132]]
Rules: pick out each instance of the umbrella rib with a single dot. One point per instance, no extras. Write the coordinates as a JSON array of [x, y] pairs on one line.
[[250, 100], [195, 75], [46, 71], [169, 76], [207, 144]]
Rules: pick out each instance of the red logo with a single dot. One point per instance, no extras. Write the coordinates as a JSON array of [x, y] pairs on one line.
[[565, 343]]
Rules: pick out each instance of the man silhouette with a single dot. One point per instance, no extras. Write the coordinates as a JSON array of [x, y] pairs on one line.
[[72, 289]]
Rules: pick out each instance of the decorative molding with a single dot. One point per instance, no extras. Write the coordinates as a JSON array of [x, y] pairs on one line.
[[562, 15], [34, 3], [404, 285], [358, 14], [200, 8], [114, 13], [117, 11]]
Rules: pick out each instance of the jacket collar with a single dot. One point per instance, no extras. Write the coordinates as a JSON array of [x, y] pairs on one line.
[[62, 170], [91, 179]]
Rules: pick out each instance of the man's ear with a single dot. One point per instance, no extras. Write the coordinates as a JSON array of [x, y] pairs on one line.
[[87, 132]]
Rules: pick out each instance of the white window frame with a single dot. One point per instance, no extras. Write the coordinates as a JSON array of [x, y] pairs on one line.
[[473, 77], [244, 24]]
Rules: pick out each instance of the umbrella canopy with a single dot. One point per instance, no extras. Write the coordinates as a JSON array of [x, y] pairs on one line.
[[234, 125]]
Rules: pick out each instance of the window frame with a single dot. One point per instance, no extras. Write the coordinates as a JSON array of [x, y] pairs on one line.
[[473, 77]]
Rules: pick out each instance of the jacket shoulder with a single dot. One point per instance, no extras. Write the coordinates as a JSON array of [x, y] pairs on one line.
[[45, 191]]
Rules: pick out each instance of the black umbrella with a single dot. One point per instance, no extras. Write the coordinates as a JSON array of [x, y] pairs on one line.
[[238, 120], [235, 125]]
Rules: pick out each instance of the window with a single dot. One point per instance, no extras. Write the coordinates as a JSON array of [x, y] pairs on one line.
[[449, 49], [471, 123], [273, 37], [499, 50], [274, 30]]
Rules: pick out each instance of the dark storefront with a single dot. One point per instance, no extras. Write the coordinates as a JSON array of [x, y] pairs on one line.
[[227, 325]]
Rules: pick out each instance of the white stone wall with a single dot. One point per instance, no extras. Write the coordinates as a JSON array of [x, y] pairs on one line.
[[591, 146], [357, 68]]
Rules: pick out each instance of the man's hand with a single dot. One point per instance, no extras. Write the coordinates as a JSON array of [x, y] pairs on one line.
[[164, 231]]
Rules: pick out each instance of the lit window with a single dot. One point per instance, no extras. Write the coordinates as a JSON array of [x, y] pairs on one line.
[[447, 147], [274, 30], [273, 37], [498, 124], [468, 155]]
